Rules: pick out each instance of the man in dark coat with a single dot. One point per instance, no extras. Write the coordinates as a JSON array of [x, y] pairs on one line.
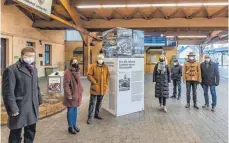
[[210, 78], [176, 74], [161, 80], [22, 97]]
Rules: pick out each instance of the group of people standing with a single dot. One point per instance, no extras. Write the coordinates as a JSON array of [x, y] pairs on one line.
[[22, 97], [206, 74]]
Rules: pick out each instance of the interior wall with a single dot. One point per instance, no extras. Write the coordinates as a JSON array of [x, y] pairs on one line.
[[169, 53], [70, 46], [17, 28], [95, 51]]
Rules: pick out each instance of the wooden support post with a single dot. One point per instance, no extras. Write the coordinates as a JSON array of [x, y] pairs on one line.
[[86, 55]]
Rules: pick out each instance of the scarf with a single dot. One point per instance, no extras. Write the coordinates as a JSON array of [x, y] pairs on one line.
[[30, 68], [161, 67]]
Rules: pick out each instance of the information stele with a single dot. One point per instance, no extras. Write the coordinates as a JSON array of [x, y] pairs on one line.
[[43, 6]]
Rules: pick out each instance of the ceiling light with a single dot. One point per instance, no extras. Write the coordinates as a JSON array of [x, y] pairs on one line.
[[113, 6], [216, 4], [138, 5], [89, 6], [192, 36], [169, 36], [190, 4], [163, 5], [155, 5]]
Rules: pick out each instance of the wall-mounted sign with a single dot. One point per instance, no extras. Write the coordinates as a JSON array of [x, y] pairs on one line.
[[16, 58], [43, 6]]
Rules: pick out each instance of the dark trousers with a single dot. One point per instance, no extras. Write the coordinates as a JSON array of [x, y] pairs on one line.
[[162, 100], [176, 84], [98, 99], [29, 134], [72, 116], [213, 93], [193, 85]]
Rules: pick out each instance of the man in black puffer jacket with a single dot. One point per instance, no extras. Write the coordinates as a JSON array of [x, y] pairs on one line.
[[176, 74], [210, 79]]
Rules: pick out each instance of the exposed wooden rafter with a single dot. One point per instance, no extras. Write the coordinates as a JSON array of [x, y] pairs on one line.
[[219, 12], [131, 16], [103, 17], [186, 16], [206, 12], [196, 12], [76, 18], [152, 14], [162, 12], [174, 13]]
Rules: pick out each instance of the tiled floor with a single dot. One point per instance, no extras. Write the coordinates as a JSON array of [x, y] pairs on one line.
[[179, 125]]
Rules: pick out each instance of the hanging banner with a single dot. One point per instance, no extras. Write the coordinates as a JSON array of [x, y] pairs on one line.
[[44, 6]]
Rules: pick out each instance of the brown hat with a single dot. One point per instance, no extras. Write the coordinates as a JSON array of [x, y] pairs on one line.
[[191, 54]]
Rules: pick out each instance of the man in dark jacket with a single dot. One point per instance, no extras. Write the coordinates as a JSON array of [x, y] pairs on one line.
[[210, 78], [176, 74], [22, 97]]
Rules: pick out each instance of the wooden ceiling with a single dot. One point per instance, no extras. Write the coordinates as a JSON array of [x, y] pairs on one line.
[[130, 14]]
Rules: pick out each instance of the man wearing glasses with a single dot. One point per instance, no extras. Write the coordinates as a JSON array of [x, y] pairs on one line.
[[22, 97]]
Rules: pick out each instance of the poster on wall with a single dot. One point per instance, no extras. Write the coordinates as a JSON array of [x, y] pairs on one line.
[[54, 85], [43, 6], [16, 58]]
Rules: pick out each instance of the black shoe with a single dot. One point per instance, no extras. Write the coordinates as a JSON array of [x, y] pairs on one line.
[[89, 121], [205, 106], [76, 129], [195, 106], [98, 117], [213, 109], [173, 96], [187, 106], [71, 130], [178, 98]]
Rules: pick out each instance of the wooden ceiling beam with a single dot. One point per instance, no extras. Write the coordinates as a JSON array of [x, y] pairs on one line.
[[25, 12], [206, 12], [219, 12], [186, 16], [131, 16], [142, 14], [76, 18], [152, 14], [196, 13], [162, 12], [174, 13], [122, 15], [103, 17]]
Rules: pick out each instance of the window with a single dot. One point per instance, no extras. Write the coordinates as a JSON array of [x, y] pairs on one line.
[[29, 44], [47, 54], [72, 35]]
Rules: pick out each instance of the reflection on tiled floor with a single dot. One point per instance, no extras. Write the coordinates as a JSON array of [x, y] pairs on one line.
[[179, 125]]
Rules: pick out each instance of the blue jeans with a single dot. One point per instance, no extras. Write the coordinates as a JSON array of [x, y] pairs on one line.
[[72, 116], [176, 84], [213, 93]]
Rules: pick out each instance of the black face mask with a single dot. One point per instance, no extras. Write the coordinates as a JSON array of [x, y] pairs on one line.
[[75, 66], [161, 60]]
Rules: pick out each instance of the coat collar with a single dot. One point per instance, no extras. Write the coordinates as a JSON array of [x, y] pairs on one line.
[[210, 63], [22, 68]]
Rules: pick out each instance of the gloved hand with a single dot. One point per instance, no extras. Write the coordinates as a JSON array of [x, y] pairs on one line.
[[216, 84]]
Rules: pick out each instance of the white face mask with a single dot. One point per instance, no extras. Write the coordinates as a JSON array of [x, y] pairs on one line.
[[100, 62], [191, 58], [175, 63], [29, 60]]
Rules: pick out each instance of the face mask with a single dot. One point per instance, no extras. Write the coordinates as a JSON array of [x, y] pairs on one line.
[[75, 65], [191, 58], [161, 60], [175, 64], [29, 60], [207, 60], [100, 62]]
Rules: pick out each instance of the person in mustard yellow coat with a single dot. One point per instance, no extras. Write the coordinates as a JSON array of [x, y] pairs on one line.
[[192, 77], [99, 75]]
